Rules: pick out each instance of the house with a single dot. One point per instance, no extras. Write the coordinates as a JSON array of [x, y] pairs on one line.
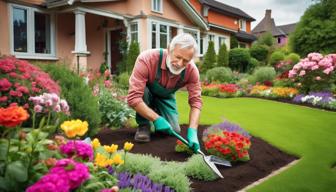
[[86, 33], [280, 32]]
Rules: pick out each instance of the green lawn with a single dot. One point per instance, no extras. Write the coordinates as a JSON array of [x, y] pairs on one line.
[[305, 132]]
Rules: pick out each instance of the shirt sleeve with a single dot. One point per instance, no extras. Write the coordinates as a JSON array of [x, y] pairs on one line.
[[138, 79], [194, 89]]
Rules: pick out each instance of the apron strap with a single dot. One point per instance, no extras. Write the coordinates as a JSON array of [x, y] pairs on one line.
[[158, 71]]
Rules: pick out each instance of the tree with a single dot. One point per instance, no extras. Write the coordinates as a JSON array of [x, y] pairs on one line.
[[132, 55], [316, 31], [266, 39], [233, 42], [209, 57], [223, 56], [260, 52]]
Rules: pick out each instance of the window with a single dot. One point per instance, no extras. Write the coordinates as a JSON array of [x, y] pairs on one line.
[[20, 30], [157, 6], [31, 32], [221, 40], [211, 37], [134, 32], [242, 25], [160, 35]]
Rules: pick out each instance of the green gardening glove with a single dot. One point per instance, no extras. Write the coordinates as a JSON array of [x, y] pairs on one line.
[[161, 124], [193, 139]]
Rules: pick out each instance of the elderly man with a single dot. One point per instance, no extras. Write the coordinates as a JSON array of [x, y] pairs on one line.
[[156, 76]]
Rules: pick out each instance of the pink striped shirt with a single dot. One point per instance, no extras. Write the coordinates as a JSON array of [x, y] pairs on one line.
[[145, 70]]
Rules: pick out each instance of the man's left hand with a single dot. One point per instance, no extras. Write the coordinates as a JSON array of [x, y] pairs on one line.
[[193, 139]]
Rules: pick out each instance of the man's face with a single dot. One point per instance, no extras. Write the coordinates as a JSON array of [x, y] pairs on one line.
[[179, 58]]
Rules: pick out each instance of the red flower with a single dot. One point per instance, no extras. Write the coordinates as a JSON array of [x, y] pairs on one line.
[[178, 142], [12, 116], [5, 84]]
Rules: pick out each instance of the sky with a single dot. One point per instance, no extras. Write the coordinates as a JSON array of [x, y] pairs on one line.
[[283, 11]]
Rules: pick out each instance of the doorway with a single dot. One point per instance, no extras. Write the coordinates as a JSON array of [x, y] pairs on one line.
[[115, 55]]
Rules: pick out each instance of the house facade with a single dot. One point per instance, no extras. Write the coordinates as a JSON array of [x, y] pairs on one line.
[[86, 33], [280, 32]]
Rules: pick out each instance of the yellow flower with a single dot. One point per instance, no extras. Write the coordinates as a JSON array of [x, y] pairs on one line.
[[74, 127], [95, 143], [101, 160], [128, 146], [117, 160], [111, 149]]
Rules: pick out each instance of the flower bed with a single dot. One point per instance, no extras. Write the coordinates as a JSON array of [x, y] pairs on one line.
[[273, 92], [321, 99], [221, 90]]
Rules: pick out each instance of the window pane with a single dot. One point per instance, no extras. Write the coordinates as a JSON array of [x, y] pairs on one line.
[[153, 40], [201, 46], [42, 33], [163, 41], [20, 29], [134, 27], [163, 29], [134, 37], [153, 27]]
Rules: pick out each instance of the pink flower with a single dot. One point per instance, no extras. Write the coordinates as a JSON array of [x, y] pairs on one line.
[[4, 84], [38, 108], [57, 108], [318, 78], [23, 89], [107, 83], [302, 73], [315, 56], [3, 99], [292, 73], [327, 70], [7, 65], [314, 67]]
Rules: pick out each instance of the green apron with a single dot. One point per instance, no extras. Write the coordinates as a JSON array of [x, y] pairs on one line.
[[161, 99]]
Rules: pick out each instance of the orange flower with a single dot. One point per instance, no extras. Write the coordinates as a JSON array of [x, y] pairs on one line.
[[13, 116]]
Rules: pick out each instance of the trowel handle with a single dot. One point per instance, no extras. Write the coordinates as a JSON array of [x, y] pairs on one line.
[[179, 137]]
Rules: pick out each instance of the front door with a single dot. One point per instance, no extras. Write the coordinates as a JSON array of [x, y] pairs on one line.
[[116, 36]]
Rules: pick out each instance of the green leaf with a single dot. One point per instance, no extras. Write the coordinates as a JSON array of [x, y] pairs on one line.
[[3, 149], [42, 122], [17, 171]]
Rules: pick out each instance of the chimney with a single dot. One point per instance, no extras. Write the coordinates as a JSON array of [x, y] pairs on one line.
[[268, 13]]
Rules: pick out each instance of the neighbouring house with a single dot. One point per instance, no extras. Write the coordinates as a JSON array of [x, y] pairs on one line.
[[86, 33], [280, 32]]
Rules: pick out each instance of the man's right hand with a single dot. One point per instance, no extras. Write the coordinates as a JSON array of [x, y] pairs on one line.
[[161, 124]]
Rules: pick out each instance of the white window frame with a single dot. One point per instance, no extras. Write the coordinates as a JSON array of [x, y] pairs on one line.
[[242, 24], [160, 6], [130, 32], [30, 54], [186, 29], [216, 41], [158, 23]]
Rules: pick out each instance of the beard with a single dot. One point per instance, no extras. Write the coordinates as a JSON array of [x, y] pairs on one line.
[[173, 69]]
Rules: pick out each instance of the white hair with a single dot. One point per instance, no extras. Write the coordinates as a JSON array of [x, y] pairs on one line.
[[185, 40]]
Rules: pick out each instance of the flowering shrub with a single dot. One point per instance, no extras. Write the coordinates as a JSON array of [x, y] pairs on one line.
[[221, 90], [314, 73], [228, 141], [19, 80], [322, 99], [65, 176]]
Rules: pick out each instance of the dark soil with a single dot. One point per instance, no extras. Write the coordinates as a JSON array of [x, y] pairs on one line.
[[264, 158]]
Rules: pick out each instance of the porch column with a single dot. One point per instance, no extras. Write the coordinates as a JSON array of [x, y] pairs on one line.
[[80, 34], [180, 29], [80, 52]]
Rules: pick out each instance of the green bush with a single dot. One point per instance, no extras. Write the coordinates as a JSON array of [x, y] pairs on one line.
[[239, 59], [263, 74], [123, 80], [293, 57], [209, 60], [132, 55], [115, 113], [220, 74], [233, 42], [276, 57], [139, 163], [266, 39], [259, 52], [83, 105], [223, 56], [253, 64]]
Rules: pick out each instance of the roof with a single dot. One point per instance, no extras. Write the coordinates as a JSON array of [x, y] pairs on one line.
[[226, 9], [287, 29], [246, 37]]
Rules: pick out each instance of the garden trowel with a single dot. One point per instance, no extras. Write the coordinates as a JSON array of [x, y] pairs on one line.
[[209, 160]]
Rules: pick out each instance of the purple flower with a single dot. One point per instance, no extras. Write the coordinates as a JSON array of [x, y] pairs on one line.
[[78, 148], [226, 126], [124, 180]]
